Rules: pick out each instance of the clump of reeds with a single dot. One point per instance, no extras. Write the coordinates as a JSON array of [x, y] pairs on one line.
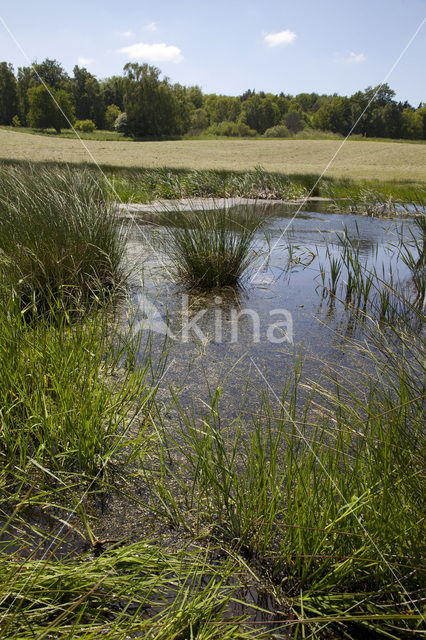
[[211, 248], [60, 244]]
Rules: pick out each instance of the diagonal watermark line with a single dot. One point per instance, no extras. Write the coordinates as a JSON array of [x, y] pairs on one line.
[[80, 139], [336, 487], [330, 162]]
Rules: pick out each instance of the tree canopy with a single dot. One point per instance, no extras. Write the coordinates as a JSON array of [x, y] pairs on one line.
[[150, 106]]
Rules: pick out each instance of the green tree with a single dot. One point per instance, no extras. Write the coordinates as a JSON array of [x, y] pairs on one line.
[[222, 108], [87, 97], [24, 82], [111, 114], [112, 90], [294, 121], [334, 116], [196, 96], [411, 124], [422, 112], [51, 72], [8, 94], [260, 113], [199, 120], [150, 103], [47, 110]]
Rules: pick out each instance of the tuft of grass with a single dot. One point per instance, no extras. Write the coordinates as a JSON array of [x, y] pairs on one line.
[[60, 243], [211, 248]]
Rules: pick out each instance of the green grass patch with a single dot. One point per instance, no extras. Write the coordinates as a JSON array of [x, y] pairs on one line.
[[60, 244]]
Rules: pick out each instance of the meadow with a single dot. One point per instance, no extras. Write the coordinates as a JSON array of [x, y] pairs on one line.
[[357, 160], [127, 511]]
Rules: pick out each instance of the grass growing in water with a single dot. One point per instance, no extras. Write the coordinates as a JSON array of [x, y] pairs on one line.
[[325, 503], [211, 248], [60, 245]]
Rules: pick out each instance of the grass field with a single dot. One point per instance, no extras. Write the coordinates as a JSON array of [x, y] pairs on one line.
[[356, 160]]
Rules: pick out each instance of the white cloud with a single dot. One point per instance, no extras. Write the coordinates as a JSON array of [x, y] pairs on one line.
[[126, 34], [355, 57], [84, 62], [152, 26], [159, 52], [280, 38]]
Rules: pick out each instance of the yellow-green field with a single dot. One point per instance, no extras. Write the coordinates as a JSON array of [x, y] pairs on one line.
[[356, 159]]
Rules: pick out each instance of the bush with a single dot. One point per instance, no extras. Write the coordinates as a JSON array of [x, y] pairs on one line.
[[279, 131], [16, 121], [111, 114], [120, 124], [231, 130], [87, 126], [59, 241]]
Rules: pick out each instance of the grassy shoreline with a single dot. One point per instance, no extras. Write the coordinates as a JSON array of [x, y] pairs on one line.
[[139, 185]]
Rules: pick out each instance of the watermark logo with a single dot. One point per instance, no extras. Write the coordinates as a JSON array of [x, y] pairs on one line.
[[224, 325]]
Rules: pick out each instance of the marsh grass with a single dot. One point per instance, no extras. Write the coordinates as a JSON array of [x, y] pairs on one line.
[[167, 183], [60, 244], [325, 502], [211, 247], [133, 591], [59, 404], [375, 199]]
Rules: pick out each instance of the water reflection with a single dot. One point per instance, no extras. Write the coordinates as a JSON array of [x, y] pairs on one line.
[[286, 276]]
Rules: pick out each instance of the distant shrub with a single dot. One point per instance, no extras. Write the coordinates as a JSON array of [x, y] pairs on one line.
[[279, 131], [86, 126], [294, 121], [317, 134], [231, 130], [111, 114], [120, 124], [16, 121]]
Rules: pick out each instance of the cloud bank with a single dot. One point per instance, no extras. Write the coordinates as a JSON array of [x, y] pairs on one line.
[[84, 62], [280, 38], [159, 52]]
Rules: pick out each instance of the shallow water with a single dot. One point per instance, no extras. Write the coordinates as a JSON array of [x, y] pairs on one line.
[[236, 344]]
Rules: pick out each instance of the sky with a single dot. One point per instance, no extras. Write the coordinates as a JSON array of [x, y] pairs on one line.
[[229, 46]]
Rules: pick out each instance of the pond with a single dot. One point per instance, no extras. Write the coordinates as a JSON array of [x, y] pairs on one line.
[[252, 338]]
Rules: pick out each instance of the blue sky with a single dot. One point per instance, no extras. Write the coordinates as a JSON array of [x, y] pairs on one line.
[[230, 46]]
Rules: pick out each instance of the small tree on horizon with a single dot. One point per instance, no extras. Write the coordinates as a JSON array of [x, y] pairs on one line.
[[52, 109]]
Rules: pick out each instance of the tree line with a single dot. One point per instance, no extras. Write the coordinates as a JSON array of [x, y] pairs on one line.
[[141, 103]]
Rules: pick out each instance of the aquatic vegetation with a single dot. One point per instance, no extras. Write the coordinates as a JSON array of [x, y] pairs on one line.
[[325, 500], [60, 245], [211, 248]]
